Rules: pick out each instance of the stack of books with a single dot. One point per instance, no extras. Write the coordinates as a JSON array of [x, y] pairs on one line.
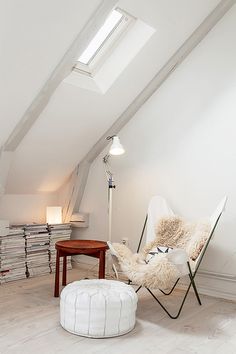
[[37, 249], [58, 232], [12, 254]]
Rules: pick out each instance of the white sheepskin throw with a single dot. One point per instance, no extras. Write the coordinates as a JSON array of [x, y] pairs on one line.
[[175, 232], [156, 274], [160, 272]]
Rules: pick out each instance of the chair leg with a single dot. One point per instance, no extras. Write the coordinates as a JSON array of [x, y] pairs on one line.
[[163, 292], [191, 277], [138, 288], [195, 290], [163, 307]]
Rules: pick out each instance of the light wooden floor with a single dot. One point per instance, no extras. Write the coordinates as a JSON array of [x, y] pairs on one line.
[[29, 323]]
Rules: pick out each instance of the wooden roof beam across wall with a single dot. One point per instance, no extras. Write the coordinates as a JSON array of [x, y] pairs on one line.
[[63, 69], [79, 176], [5, 161]]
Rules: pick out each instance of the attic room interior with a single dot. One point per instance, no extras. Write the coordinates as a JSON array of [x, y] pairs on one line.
[[117, 176]]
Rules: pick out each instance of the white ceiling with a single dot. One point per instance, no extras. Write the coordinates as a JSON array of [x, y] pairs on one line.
[[75, 118], [34, 35]]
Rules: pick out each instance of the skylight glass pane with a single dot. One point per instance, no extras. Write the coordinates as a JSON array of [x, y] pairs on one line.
[[101, 36]]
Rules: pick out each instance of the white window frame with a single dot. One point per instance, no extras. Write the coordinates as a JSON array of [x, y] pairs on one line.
[[107, 46]]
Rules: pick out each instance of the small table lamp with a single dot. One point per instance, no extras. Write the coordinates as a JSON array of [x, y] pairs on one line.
[[54, 215]]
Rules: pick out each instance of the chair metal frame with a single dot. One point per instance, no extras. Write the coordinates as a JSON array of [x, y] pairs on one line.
[[191, 274]]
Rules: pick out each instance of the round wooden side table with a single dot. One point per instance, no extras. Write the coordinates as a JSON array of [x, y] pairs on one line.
[[66, 248]]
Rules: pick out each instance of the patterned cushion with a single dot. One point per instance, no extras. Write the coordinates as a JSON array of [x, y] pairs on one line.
[[157, 250]]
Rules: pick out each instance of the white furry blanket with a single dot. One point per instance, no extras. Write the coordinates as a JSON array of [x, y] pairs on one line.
[[177, 233], [160, 272]]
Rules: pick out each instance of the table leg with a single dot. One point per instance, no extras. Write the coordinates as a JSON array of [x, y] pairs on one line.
[[64, 270], [57, 274], [101, 272]]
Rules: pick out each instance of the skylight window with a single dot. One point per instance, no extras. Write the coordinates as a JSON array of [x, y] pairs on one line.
[[108, 27], [103, 42], [105, 58]]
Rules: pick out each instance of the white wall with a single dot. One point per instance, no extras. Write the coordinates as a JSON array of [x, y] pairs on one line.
[[28, 208], [181, 145]]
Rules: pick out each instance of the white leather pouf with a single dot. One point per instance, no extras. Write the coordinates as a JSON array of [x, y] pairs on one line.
[[98, 308]]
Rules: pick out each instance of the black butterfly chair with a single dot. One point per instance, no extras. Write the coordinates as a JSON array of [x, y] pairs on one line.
[[214, 219]]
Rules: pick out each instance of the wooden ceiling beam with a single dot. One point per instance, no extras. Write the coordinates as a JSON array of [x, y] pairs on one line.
[[60, 72], [63, 69]]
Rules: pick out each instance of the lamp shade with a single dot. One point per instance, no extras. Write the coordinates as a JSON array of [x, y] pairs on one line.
[[54, 215], [116, 147]]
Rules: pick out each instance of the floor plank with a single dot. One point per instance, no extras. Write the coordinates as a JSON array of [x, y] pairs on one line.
[[29, 323]]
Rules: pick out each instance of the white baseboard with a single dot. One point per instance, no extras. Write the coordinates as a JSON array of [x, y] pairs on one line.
[[217, 285]]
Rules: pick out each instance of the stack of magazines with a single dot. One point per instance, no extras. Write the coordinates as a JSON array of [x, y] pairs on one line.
[[28, 250], [37, 249], [58, 232], [12, 254]]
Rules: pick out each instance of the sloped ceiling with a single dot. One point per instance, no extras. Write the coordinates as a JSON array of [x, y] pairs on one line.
[[75, 118], [34, 35]]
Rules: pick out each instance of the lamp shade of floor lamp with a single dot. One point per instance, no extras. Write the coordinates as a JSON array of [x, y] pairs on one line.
[[54, 215], [116, 147]]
